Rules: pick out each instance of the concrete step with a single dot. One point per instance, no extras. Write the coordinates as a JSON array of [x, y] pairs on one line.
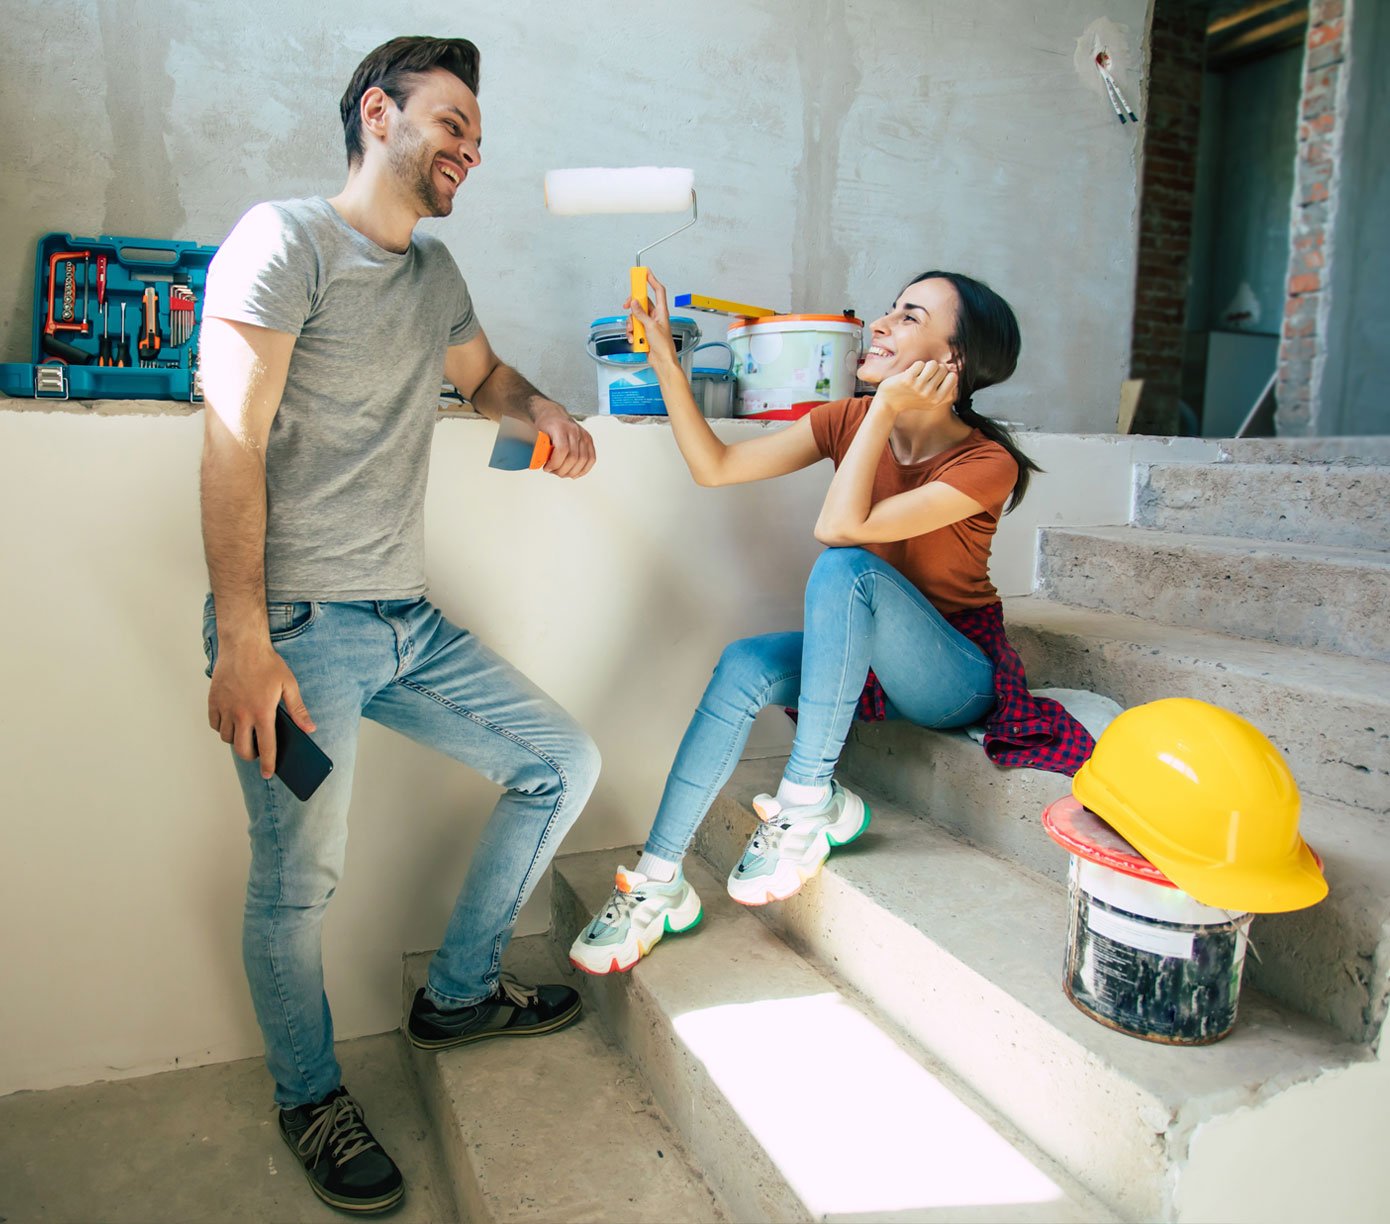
[[964, 952], [1345, 452], [1297, 594], [1331, 962], [1341, 506], [794, 1101], [1329, 714], [557, 1128]]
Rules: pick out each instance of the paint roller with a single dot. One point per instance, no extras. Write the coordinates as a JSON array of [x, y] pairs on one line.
[[632, 189]]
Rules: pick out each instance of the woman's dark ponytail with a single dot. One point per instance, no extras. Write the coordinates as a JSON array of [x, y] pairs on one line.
[[986, 346]]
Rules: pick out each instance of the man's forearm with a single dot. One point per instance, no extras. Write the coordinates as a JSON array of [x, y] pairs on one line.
[[234, 513], [505, 392]]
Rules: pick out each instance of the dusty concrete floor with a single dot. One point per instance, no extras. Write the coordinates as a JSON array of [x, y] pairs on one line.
[[202, 1145]]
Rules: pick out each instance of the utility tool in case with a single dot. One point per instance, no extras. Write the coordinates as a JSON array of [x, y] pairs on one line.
[[102, 327]]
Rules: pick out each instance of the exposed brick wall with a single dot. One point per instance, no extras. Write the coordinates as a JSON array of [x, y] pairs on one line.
[[1172, 105], [1322, 115]]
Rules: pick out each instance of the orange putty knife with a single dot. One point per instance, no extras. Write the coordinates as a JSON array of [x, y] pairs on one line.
[[519, 447]]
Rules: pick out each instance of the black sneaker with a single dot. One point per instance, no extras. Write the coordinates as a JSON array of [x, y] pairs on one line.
[[344, 1163], [513, 1011]]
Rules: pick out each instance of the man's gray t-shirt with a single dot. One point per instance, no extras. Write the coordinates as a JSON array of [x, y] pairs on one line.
[[349, 449]]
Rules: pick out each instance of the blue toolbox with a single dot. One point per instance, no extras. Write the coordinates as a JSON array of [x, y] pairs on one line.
[[114, 318]]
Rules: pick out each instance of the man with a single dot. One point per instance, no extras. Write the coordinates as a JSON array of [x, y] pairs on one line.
[[327, 327]]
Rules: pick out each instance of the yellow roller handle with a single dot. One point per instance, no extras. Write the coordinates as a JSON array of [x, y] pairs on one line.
[[638, 280]]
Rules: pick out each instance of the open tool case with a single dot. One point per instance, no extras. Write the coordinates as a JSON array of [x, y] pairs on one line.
[[81, 348]]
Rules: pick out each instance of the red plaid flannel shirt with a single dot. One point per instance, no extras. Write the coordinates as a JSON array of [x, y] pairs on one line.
[[1022, 731]]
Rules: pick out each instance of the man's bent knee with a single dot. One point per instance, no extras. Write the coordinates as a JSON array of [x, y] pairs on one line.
[[580, 762]]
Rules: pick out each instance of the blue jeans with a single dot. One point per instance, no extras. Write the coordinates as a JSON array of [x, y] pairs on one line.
[[399, 663], [860, 613]]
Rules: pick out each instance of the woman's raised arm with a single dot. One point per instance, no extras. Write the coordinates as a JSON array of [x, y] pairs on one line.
[[712, 461]]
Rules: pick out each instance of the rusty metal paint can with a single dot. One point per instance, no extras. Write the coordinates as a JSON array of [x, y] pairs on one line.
[[1143, 957], [1148, 960]]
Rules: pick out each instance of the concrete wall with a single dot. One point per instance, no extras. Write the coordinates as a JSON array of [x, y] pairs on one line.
[[838, 148], [1357, 370], [1336, 1122]]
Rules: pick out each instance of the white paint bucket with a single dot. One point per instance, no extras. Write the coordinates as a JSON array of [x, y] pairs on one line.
[[1142, 956], [787, 364], [627, 384]]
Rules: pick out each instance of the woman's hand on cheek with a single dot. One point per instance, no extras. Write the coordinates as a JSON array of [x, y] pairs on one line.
[[923, 385]]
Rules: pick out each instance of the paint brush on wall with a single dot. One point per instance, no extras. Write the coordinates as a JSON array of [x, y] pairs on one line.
[[1117, 99], [1114, 101], [519, 447]]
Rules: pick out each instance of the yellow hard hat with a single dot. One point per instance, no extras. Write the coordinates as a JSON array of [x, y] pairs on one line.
[[1208, 800]]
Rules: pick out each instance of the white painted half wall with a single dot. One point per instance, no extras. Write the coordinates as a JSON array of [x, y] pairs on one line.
[[123, 832]]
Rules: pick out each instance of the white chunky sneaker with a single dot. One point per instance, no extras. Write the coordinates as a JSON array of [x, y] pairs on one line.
[[790, 844], [637, 915]]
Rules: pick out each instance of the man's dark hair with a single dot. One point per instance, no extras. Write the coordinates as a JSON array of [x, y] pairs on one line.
[[395, 67]]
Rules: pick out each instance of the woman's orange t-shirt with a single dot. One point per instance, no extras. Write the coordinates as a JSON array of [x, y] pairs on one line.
[[950, 566]]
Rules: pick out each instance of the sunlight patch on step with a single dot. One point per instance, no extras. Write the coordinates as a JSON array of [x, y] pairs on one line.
[[852, 1121]]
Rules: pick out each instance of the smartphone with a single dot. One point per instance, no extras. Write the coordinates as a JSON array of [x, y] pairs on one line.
[[299, 762]]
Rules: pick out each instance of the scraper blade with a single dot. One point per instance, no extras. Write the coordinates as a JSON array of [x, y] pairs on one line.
[[519, 447]]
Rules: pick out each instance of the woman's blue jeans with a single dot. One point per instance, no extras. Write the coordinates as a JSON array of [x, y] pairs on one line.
[[402, 664], [860, 614]]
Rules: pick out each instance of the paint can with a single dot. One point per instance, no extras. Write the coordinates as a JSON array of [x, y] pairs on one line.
[[1142, 956], [712, 384], [627, 384], [784, 365]]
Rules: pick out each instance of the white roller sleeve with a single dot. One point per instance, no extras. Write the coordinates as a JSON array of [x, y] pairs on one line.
[[631, 189]]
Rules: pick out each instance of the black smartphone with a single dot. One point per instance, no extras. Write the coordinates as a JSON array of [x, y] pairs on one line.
[[299, 762]]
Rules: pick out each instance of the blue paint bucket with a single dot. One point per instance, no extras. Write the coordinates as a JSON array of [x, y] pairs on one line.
[[627, 384]]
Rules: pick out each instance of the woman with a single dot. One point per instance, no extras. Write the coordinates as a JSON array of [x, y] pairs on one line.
[[920, 483]]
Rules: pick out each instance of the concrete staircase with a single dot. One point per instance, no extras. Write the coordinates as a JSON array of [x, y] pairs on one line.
[[894, 1043]]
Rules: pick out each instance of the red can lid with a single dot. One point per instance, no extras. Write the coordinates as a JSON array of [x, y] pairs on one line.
[[1079, 830]]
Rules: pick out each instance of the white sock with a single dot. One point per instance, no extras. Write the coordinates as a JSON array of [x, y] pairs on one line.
[[663, 871], [797, 794]]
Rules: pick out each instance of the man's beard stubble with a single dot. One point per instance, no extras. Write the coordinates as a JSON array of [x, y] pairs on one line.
[[412, 160]]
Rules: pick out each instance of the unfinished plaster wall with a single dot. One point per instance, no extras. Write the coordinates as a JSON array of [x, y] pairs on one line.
[[838, 148]]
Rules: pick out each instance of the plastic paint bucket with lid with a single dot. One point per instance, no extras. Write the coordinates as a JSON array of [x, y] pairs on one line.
[[1142, 956], [627, 384], [785, 365]]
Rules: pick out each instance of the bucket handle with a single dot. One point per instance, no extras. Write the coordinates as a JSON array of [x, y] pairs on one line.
[[603, 359], [719, 344]]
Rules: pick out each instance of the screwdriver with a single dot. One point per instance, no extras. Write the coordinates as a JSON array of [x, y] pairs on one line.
[[122, 353], [104, 353]]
